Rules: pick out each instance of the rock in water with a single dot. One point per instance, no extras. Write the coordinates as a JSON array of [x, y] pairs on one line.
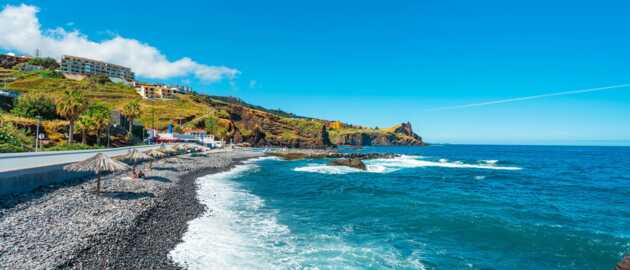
[[624, 264], [350, 162]]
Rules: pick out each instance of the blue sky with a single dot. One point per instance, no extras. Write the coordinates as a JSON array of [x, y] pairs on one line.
[[377, 63]]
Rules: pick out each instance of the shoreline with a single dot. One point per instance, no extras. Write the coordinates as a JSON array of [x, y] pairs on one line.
[[133, 226]]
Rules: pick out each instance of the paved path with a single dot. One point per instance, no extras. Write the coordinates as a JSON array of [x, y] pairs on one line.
[[20, 161]]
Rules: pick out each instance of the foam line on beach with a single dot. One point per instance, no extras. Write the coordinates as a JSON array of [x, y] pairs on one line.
[[232, 233]]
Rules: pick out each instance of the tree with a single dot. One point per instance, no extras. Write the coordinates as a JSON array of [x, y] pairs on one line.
[[69, 106], [84, 125], [100, 116], [33, 105], [46, 62], [131, 111], [95, 119]]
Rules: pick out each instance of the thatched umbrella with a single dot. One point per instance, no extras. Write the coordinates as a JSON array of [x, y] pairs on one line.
[[98, 163], [181, 147], [135, 156], [168, 150], [155, 154]]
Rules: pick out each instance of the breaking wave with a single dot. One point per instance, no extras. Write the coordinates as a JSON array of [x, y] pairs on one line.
[[233, 233], [387, 165]]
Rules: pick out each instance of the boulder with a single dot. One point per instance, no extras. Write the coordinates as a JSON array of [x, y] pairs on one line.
[[349, 162], [624, 264]]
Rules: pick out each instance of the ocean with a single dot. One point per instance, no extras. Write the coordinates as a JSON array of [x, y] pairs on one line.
[[435, 207]]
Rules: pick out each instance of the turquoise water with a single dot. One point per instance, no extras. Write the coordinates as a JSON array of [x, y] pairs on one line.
[[437, 207]]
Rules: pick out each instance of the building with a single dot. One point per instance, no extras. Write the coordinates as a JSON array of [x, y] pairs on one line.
[[9, 60], [181, 89], [73, 66], [335, 125], [198, 136], [26, 67], [155, 91]]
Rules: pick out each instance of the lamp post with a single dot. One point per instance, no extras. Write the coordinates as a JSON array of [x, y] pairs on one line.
[[109, 135], [39, 118]]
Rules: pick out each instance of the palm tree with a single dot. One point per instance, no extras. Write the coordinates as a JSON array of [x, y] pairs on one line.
[[101, 118], [84, 124], [131, 111], [71, 104]]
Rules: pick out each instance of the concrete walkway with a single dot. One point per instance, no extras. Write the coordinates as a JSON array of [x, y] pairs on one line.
[[21, 161]]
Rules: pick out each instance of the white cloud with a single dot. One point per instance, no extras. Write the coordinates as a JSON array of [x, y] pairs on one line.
[[21, 31]]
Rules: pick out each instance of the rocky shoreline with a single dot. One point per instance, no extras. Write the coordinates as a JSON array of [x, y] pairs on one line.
[[132, 226]]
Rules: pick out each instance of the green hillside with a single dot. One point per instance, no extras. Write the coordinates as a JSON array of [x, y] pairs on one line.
[[227, 118]]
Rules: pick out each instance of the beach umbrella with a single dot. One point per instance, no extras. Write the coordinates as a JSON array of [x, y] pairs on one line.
[[134, 156], [181, 147], [167, 150], [155, 154], [97, 164]]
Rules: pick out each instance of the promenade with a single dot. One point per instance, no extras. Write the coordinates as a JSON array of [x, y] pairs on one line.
[[22, 161]]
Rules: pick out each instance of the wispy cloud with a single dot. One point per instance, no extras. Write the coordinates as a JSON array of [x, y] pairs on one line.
[[509, 100], [21, 31]]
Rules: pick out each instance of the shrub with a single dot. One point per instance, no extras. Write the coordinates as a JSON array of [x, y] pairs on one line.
[[222, 114], [50, 74], [99, 79], [13, 139], [46, 62], [33, 105], [211, 124]]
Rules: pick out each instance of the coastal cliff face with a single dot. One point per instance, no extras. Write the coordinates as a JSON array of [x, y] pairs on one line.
[[398, 135]]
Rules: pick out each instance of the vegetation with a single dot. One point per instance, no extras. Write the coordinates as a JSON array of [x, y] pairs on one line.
[[46, 62], [13, 139], [99, 79], [34, 105], [212, 125], [131, 111], [95, 119], [225, 117], [70, 106]]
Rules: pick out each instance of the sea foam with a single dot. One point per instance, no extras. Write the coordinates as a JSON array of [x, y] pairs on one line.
[[233, 233], [387, 165]]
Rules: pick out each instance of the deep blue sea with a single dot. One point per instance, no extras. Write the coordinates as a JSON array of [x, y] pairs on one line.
[[436, 207]]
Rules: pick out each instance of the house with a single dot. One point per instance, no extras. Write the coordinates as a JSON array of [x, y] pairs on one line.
[[26, 67], [74, 67], [198, 136], [154, 91], [10, 60], [335, 125], [181, 89]]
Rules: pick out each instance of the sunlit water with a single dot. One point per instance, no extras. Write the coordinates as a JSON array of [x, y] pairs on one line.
[[438, 207]]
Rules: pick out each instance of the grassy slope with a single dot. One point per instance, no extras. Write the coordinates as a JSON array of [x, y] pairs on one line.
[[189, 110]]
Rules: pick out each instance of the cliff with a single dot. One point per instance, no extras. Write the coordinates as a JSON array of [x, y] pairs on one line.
[[401, 134]]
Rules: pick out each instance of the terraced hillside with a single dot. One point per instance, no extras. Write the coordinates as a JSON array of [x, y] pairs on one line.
[[226, 117]]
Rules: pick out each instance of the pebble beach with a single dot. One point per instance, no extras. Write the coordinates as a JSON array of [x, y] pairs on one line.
[[133, 224]]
